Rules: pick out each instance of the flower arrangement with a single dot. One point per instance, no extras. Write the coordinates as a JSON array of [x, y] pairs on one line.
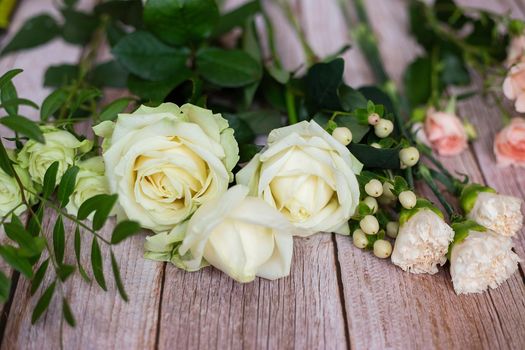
[[186, 166]]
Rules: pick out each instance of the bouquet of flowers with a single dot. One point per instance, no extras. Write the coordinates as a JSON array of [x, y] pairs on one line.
[[189, 165]]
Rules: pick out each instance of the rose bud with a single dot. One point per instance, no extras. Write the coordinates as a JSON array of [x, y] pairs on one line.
[[480, 258], [422, 240], [509, 144], [514, 86], [445, 132], [499, 213]]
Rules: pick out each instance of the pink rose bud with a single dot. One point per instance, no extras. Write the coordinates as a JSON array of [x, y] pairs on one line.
[[445, 132], [514, 86], [509, 144]]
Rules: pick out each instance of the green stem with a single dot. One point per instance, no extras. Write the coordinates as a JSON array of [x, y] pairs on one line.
[[311, 57], [290, 105], [425, 174]]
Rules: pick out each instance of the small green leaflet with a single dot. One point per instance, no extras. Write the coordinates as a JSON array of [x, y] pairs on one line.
[[53, 103], [43, 303], [5, 287], [101, 204], [110, 111], [17, 262], [123, 230], [67, 313], [97, 265], [39, 276], [59, 240], [5, 161], [8, 76], [23, 126], [67, 185], [50, 180], [77, 255], [36, 31], [118, 279]]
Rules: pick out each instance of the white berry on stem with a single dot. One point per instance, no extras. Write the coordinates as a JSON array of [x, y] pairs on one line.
[[369, 225], [409, 156], [371, 202], [343, 135], [407, 199], [392, 227], [382, 248], [383, 128], [359, 239], [374, 188]]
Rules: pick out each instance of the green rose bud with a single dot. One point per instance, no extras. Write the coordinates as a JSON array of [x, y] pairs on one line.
[[90, 182], [10, 193], [60, 146]]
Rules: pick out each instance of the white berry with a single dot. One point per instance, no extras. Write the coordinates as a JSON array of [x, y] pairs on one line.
[[373, 119], [409, 156], [382, 248], [371, 202], [392, 227], [375, 145], [407, 199], [374, 188], [369, 225], [343, 135], [384, 128], [359, 238]]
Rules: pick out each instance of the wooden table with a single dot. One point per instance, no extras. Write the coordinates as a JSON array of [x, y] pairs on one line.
[[336, 296]]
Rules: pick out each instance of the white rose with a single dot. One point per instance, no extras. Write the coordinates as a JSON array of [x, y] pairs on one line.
[[499, 213], [422, 241], [482, 260], [240, 235], [10, 193], [308, 176], [164, 162], [90, 182], [60, 146]]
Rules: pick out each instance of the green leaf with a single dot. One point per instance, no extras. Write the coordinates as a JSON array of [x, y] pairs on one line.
[[248, 151], [67, 313], [50, 178], [262, 121], [78, 26], [18, 102], [149, 58], [155, 91], [237, 17], [29, 246], [109, 74], [23, 126], [77, 243], [67, 185], [350, 98], [59, 240], [8, 76], [39, 276], [53, 103], [454, 71], [43, 303], [17, 262], [375, 157], [322, 83], [35, 31], [179, 22], [128, 12], [5, 287], [103, 211], [8, 94], [5, 161], [90, 205], [96, 264], [35, 221], [123, 230], [60, 75], [64, 271], [110, 111], [118, 279], [242, 131], [228, 68], [417, 80]]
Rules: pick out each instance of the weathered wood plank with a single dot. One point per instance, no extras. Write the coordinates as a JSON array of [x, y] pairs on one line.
[[393, 309], [207, 309]]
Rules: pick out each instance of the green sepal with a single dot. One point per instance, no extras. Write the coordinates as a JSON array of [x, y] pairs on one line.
[[461, 232], [469, 195], [421, 203]]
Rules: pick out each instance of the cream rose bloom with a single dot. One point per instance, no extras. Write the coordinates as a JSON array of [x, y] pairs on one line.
[[481, 260], [308, 176], [90, 182], [60, 146], [10, 193], [499, 213], [240, 235], [422, 241], [164, 162]]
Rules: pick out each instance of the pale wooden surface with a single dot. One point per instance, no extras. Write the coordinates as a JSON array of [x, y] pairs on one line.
[[336, 296]]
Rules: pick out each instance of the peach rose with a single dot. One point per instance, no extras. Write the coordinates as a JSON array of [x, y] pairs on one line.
[[516, 50], [509, 144], [445, 132], [514, 86]]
